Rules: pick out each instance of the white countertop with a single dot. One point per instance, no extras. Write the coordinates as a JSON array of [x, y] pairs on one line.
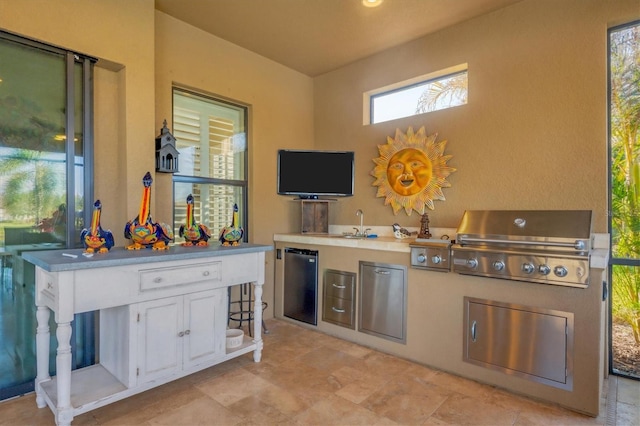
[[387, 242], [384, 241]]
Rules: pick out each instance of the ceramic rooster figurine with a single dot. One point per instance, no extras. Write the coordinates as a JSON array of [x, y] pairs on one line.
[[401, 233], [95, 239], [232, 235], [195, 234], [142, 231]]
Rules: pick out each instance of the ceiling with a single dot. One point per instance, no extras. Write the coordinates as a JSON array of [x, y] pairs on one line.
[[317, 36]]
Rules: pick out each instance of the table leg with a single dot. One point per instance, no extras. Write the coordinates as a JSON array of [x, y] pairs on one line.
[[42, 352], [64, 410], [257, 322]]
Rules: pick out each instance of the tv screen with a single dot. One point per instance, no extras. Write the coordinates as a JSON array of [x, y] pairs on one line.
[[309, 174]]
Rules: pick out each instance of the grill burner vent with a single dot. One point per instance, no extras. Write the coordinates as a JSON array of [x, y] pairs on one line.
[[540, 246]]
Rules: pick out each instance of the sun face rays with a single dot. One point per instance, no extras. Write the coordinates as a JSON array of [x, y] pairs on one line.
[[411, 171]]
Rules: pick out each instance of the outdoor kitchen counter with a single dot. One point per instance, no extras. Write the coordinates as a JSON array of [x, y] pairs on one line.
[[599, 255], [384, 241]]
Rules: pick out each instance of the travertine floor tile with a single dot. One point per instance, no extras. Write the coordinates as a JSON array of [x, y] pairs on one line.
[[461, 409], [308, 378]]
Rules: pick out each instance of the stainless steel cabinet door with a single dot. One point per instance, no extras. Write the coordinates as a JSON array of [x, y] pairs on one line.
[[383, 300], [530, 342]]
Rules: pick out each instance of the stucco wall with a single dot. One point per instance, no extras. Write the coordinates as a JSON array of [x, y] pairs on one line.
[[534, 132], [280, 103]]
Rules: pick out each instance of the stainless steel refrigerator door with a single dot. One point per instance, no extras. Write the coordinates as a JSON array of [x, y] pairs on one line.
[[301, 285]]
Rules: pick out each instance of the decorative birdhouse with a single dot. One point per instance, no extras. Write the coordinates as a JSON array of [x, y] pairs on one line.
[[166, 152]]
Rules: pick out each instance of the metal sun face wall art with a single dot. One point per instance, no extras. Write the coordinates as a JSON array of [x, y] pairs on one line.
[[411, 171]]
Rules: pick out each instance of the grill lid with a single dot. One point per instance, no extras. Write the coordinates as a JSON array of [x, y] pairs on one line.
[[557, 230]]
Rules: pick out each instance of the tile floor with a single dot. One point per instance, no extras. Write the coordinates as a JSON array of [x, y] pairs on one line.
[[308, 378]]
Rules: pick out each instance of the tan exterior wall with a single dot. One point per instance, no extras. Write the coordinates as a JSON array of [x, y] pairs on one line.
[[534, 132], [280, 103]]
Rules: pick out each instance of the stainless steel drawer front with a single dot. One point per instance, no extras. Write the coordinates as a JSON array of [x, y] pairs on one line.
[[339, 298], [339, 285], [339, 311]]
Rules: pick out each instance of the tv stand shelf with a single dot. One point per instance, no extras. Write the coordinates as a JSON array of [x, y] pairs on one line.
[[315, 215]]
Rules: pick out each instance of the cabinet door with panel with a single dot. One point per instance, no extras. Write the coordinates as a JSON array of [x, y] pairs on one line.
[[383, 300], [529, 342], [205, 319], [177, 333], [159, 347]]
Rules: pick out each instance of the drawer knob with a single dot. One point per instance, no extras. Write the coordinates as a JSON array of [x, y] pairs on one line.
[[205, 273], [181, 334], [157, 280], [340, 311]]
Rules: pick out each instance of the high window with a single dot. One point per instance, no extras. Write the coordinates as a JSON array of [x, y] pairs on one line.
[[443, 89], [211, 136], [624, 201]]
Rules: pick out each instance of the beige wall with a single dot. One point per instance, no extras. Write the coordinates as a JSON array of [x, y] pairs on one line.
[[280, 103], [534, 132]]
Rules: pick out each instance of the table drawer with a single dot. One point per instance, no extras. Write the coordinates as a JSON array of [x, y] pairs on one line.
[[339, 311], [162, 278], [339, 284]]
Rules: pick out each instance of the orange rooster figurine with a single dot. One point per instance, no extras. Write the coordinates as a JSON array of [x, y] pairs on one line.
[[95, 239], [142, 231], [195, 234]]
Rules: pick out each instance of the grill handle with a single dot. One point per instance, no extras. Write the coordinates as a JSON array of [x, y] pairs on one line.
[[577, 244]]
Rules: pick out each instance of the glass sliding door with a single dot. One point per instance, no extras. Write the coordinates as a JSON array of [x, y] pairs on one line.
[[624, 224], [45, 105]]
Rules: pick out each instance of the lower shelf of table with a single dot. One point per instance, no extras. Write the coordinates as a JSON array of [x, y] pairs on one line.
[[94, 386]]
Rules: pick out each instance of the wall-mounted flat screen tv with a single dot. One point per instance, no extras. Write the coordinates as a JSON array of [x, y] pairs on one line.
[[311, 174]]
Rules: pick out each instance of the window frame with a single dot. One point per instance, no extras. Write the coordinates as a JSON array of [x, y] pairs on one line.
[[202, 180], [371, 95]]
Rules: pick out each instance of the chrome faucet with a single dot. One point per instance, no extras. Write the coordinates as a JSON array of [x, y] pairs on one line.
[[361, 232]]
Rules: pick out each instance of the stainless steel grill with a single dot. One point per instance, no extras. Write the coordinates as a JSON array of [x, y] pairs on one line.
[[541, 246]]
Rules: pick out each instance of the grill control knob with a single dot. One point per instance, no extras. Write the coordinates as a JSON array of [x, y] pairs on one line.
[[544, 269], [422, 258], [528, 268], [436, 259], [560, 271], [498, 265], [472, 263]]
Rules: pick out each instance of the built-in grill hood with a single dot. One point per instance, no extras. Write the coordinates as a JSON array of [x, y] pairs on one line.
[[542, 246]]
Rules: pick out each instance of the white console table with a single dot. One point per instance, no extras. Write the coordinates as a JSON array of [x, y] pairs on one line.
[[163, 315]]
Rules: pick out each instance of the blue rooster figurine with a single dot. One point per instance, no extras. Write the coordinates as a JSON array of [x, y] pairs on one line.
[[232, 235], [195, 234], [95, 239], [142, 231]]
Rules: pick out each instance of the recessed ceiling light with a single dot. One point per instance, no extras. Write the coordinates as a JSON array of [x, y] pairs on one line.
[[372, 3]]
